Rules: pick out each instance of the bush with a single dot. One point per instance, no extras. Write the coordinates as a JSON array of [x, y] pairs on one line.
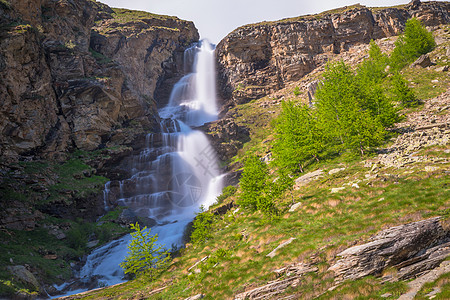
[[297, 91], [257, 192], [227, 191], [414, 42], [144, 257], [402, 93], [252, 182], [298, 137], [202, 227]]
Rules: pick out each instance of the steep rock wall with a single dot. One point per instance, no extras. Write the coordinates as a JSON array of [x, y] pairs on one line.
[[256, 60], [76, 74]]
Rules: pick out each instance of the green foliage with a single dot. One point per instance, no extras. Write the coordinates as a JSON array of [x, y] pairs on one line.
[[402, 93], [297, 91], [227, 191], [298, 137], [415, 41], [144, 256], [100, 58], [257, 191], [202, 227], [346, 110]]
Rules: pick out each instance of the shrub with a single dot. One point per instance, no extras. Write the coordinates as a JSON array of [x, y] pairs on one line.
[[202, 227], [227, 191], [296, 91], [402, 93], [252, 182], [144, 256], [415, 41], [298, 137]]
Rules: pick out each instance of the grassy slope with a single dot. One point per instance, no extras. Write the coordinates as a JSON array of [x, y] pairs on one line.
[[324, 225]]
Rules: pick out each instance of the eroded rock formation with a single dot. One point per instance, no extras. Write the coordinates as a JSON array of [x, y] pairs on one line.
[[80, 75], [256, 60]]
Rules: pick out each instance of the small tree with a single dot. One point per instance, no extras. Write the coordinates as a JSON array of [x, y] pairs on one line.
[[401, 91], [415, 41], [144, 256], [298, 137], [202, 227], [348, 110], [252, 182]]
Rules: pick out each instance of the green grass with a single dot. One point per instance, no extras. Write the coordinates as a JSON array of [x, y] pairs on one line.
[[122, 15], [421, 82], [324, 225], [443, 283]]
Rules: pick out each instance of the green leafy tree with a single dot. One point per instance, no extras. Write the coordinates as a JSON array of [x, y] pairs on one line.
[[256, 190], [252, 182], [415, 41], [298, 138], [345, 111], [144, 256], [202, 227], [402, 92], [371, 76]]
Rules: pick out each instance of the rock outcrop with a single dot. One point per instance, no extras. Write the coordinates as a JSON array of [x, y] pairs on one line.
[[256, 60], [411, 249], [80, 75]]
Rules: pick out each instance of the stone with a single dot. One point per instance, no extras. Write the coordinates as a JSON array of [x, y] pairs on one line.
[[295, 206], [92, 244], [411, 248], [196, 297], [292, 273], [25, 276], [386, 295], [307, 178], [256, 60], [355, 185], [334, 171], [56, 94], [337, 190], [431, 168], [442, 69], [423, 61], [282, 245], [417, 284]]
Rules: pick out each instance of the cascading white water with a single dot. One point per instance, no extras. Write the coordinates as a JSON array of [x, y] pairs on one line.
[[171, 180]]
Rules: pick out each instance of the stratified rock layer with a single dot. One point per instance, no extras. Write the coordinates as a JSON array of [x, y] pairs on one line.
[[80, 75], [411, 248], [256, 60]]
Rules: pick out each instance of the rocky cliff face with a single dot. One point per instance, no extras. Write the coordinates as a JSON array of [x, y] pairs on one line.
[[80, 75], [256, 60]]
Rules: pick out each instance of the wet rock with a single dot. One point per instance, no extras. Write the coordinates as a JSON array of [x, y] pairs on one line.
[[26, 277], [226, 137]]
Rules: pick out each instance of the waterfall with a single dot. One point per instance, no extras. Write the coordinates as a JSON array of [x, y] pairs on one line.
[[174, 175]]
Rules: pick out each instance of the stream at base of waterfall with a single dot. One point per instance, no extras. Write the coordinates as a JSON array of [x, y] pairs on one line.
[[172, 177]]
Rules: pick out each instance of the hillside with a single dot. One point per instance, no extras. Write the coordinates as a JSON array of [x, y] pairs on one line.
[[352, 226], [81, 85]]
